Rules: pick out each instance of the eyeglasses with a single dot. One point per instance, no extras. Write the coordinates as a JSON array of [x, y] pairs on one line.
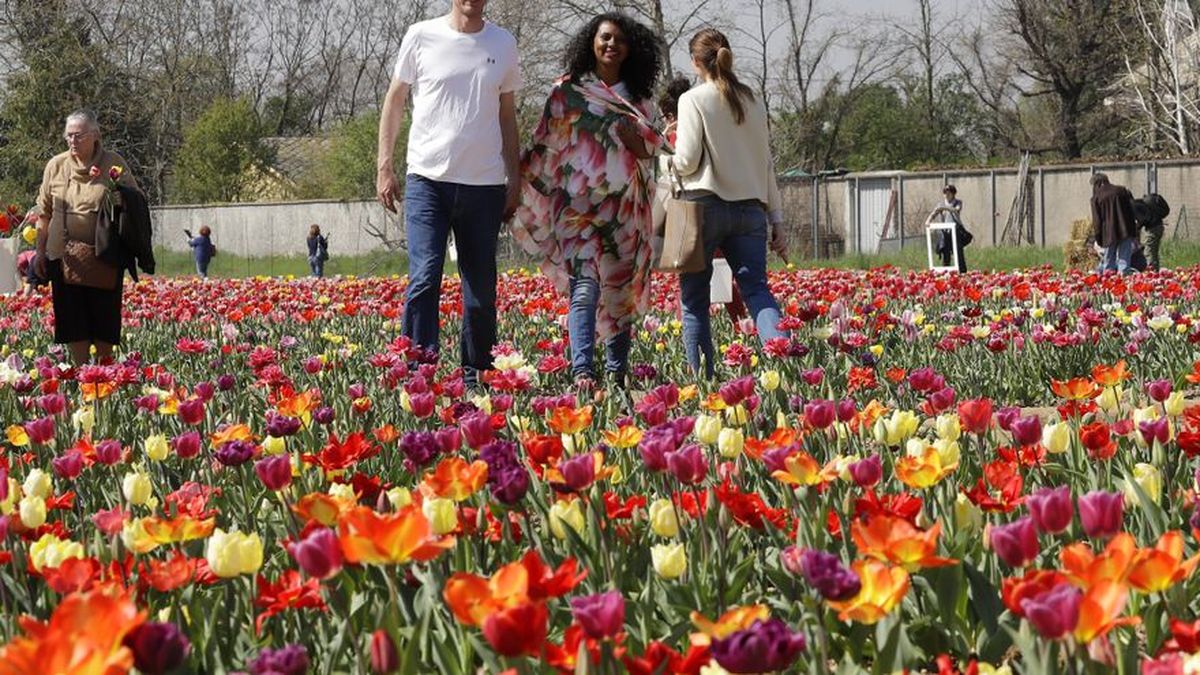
[[76, 135]]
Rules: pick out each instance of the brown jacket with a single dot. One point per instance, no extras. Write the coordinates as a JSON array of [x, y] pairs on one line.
[[1112, 214]]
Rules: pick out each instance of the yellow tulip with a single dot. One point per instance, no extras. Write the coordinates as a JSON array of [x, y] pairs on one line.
[[892, 431], [948, 451], [663, 520], [232, 553], [274, 445], [38, 484], [1147, 477], [442, 515], [136, 538], [967, 516], [29, 234], [1174, 404], [707, 429], [563, 514], [770, 380], [730, 442], [948, 427], [50, 551], [1056, 438], [84, 419], [156, 447], [33, 511], [1110, 399], [670, 560], [736, 415], [399, 497], [137, 488]]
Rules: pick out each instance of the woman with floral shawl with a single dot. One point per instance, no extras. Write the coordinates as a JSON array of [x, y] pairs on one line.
[[586, 202]]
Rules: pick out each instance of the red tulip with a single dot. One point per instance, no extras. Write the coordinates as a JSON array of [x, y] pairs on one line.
[[976, 415]]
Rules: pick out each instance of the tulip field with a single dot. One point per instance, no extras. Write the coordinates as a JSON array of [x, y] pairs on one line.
[[983, 473]]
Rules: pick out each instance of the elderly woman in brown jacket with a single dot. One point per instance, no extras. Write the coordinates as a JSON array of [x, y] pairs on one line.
[[86, 291]]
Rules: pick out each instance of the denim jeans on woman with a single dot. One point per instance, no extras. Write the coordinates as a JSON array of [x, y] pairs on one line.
[[432, 210], [581, 324], [739, 229]]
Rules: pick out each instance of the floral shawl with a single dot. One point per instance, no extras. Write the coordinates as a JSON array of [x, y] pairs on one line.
[[586, 199]]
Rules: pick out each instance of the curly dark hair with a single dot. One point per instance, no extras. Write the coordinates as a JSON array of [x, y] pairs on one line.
[[668, 102], [642, 66]]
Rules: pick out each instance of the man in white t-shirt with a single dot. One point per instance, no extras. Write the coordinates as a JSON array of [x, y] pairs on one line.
[[462, 168]]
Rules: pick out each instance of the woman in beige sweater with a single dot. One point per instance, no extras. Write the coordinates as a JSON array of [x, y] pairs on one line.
[[723, 155]]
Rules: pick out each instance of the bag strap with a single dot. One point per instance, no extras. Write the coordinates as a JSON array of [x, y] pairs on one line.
[[676, 181]]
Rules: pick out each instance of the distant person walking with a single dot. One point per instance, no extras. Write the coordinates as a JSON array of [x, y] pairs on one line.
[[723, 155], [1115, 225], [203, 250], [951, 208], [318, 250], [463, 168]]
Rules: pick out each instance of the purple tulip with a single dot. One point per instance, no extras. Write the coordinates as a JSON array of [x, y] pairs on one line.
[[1155, 430], [763, 647], [52, 404], [509, 485], [824, 572], [226, 382], [1194, 521], [449, 439], [147, 403], [1005, 417], [498, 455], [654, 447], [1016, 543], [3, 486], [867, 472], [68, 466], [579, 472], [1051, 509], [476, 430], [775, 459], [319, 555], [235, 453], [275, 472], [846, 409], [1054, 613], [419, 447], [1026, 430], [820, 414], [109, 452], [1101, 513], [281, 426], [323, 415], [287, 660], [157, 647], [1158, 390], [601, 615], [688, 464], [205, 390]]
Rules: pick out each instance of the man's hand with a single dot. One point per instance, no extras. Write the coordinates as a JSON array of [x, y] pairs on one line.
[[39, 265], [512, 199], [779, 242], [387, 190]]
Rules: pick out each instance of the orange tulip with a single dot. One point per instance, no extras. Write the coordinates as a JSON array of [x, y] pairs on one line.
[[1194, 376], [802, 469], [865, 419], [455, 479], [473, 598], [1075, 389], [322, 507], [1157, 569], [1100, 610], [389, 539], [567, 420], [883, 587], [95, 391], [179, 529], [300, 405], [623, 438], [897, 541], [924, 470], [1110, 376], [738, 618], [1085, 569], [233, 432], [82, 637]]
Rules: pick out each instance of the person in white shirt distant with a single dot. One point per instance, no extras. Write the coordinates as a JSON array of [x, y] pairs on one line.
[[723, 155], [463, 173]]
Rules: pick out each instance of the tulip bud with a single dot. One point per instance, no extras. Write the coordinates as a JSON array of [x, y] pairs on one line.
[[232, 553], [1101, 513], [688, 464], [1015, 543], [670, 560], [770, 380], [137, 488], [867, 472], [1147, 477], [84, 420], [38, 484], [730, 442], [319, 555], [384, 657], [1051, 509], [1026, 431], [1175, 404], [579, 472], [663, 520], [707, 429], [275, 471], [187, 445], [948, 427], [32, 510], [564, 513], [601, 615], [1056, 438], [156, 447], [441, 513], [1054, 613], [274, 445], [967, 516], [1158, 390], [157, 647]]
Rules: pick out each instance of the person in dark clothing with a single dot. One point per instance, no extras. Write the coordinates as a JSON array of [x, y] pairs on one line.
[[1149, 211], [202, 249], [1114, 223], [951, 209], [318, 250]]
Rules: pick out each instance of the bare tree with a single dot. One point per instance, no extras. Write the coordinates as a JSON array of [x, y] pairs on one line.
[[1159, 89], [807, 50]]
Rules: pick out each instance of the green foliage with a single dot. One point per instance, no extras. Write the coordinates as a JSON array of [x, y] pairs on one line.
[[218, 152], [346, 170]]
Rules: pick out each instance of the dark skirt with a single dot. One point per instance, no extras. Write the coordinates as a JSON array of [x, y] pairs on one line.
[[81, 313]]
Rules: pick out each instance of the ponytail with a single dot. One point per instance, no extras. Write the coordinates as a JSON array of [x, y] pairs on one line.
[[711, 48]]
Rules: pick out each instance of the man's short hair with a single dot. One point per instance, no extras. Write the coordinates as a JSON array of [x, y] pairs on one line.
[[1099, 179]]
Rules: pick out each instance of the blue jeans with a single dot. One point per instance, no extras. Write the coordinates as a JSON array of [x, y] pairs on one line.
[[202, 267], [316, 265], [432, 210], [1117, 257], [581, 324], [739, 229]]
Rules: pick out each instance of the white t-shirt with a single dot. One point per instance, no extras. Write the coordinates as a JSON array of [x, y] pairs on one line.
[[457, 79]]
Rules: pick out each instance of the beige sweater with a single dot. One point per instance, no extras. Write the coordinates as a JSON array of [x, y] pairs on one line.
[[715, 153], [70, 198]]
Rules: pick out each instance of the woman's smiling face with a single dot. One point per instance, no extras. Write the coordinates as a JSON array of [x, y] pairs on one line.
[[610, 46]]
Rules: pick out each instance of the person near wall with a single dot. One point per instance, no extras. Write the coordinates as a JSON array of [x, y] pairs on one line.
[[85, 290], [951, 212], [723, 156], [318, 250], [463, 168], [586, 206], [1154, 210], [1114, 223], [203, 249]]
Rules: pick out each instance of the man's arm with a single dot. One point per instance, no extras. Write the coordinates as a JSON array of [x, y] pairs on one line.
[[512, 152], [390, 119]]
